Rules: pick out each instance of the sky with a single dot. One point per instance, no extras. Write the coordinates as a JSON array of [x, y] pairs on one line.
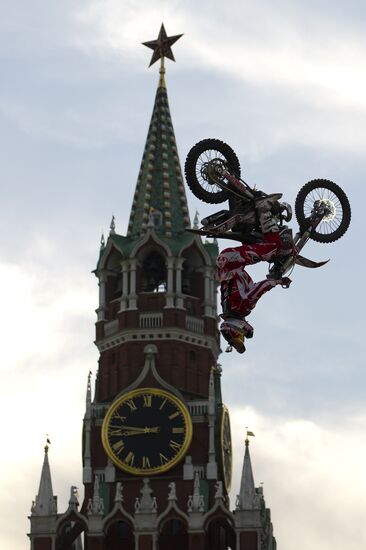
[[284, 83]]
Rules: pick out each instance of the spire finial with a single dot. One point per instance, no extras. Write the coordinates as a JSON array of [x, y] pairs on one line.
[[88, 386], [73, 502], [102, 241], [112, 227], [196, 502], [196, 221], [162, 73], [248, 434], [173, 491], [211, 393], [119, 492], [162, 47], [146, 503]]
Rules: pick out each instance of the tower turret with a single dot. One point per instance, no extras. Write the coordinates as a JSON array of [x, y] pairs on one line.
[[45, 503], [43, 516], [253, 524], [247, 498]]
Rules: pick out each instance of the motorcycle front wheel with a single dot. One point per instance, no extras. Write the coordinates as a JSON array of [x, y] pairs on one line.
[[335, 224], [200, 162]]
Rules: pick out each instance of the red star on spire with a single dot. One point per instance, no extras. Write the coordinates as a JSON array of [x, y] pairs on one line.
[[162, 45]]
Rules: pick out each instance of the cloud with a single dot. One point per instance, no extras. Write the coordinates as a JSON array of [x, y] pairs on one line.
[[41, 301], [303, 76], [271, 48], [47, 352], [313, 475]]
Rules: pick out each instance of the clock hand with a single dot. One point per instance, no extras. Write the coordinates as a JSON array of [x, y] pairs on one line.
[[153, 430], [131, 430]]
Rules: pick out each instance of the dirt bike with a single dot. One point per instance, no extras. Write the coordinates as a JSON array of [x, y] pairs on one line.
[[322, 208]]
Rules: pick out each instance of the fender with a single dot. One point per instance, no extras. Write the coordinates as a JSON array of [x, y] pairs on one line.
[[305, 262]]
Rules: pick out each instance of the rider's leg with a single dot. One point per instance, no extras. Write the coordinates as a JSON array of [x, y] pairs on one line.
[[239, 296], [235, 307], [244, 297]]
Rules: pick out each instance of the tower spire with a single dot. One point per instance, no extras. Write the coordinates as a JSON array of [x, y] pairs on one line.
[[88, 393], [247, 499], [160, 199], [45, 503]]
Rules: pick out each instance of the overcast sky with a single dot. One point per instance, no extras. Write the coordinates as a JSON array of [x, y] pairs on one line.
[[284, 83]]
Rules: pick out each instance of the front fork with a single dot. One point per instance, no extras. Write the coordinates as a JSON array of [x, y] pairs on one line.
[[300, 240]]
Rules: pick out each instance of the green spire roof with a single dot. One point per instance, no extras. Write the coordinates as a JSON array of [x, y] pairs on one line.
[[160, 198]]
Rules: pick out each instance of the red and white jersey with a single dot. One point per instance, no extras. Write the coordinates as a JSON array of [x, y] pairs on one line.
[[231, 262]]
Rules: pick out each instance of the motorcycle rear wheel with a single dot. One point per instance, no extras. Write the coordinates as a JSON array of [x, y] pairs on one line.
[[198, 158], [333, 226]]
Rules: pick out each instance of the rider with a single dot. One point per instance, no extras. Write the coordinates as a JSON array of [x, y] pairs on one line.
[[239, 294]]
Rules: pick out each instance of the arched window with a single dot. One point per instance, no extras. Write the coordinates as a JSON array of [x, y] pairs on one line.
[[154, 273], [220, 535], [192, 273], [120, 535], [70, 536], [173, 535], [114, 276]]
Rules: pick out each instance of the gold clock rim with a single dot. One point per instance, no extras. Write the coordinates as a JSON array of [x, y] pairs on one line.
[[168, 465], [225, 413]]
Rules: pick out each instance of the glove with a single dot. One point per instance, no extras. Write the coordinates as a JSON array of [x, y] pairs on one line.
[[285, 282]]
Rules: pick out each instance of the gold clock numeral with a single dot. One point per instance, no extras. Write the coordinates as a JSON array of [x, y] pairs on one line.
[[163, 459], [114, 430], [174, 415], [121, 418], [162, 405], [146, 462], [130, 458], [147, 400], [118, 446], [178, 430], [174, 445], [131, 404]]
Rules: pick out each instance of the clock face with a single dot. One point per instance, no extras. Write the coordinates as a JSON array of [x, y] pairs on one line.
[[226, 450], [147, 431]]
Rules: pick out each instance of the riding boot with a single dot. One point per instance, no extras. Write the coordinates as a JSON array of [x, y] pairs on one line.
[[233, 336]]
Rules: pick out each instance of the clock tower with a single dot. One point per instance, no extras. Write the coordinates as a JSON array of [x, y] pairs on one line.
[[156, 434]]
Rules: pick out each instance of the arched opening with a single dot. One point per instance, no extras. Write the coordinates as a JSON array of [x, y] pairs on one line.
[[70, 536], [192, 273], [119, 535], [173, 535], [154, 273], [220, 535], [113, 283]]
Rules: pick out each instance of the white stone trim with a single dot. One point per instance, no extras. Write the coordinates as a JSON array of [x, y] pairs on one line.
[[146, 335]]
